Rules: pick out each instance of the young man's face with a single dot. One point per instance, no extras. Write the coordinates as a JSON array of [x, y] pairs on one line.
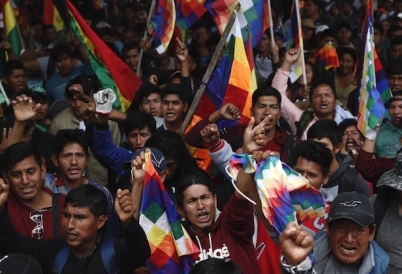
[[25, 178], [17, 80], [138, 137], [173, 109], [266, 105], [199, 206], [64, 64], [349, 241], [395, 111], [312, 171], [81, 228], [323, 101], [152, 104], [42, 111], [131, 57], [71, 162]]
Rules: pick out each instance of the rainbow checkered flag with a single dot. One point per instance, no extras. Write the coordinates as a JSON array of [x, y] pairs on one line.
[[230, 82], [172, 250], [253, 14], [162, 24], [285, 195], [374, 89], [188, 12]]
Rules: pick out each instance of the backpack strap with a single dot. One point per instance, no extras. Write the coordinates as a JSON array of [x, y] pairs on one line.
[[61, 259], [108, 256], [305, 119], [381, 205], [56, 215], [290, 149]]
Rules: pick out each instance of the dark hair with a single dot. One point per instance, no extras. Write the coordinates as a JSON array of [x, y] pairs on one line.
[[397, 40], [188, 180], [88, 196], [394, 67], [12, 65], [70, 136], [148, 90], [315, 152], [266, 91], [48, 26], [175, 89], [315, 2], [347, 50], [18, 152], [322, 81], [378, 26], [129, 46], [139, 120], [60, 49], [216, 266], [392, 29], [347, 123], [325, 128], [89, 83], [173, 147]]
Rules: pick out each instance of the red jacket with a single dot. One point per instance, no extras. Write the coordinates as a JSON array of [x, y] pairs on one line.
[[230, 236]]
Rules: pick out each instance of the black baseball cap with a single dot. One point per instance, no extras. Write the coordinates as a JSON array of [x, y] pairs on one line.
[[353, 206]]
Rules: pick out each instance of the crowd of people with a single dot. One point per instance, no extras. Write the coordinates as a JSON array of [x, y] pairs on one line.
[[72, 166]]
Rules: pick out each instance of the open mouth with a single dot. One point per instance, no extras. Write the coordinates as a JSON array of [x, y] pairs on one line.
[[348, 250], [203, 217], [27, 189]]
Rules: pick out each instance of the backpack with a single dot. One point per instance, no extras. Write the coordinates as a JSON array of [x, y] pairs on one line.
[[305, 119], [108, 256]]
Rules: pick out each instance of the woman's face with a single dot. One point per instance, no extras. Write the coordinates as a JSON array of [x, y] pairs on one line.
[[385, 25]]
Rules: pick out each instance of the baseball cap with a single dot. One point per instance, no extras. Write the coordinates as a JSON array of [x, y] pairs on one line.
[[353, 206], [157, 158], [19, 264]]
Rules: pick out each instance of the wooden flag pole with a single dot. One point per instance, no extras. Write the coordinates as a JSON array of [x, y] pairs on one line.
[[209, 70], [271, 24], [297, 6], [151, 11]]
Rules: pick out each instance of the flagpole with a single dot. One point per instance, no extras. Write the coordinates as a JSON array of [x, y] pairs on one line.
[[3, 92], [297, 6], [151, 10], [210, 69], [271, 24]]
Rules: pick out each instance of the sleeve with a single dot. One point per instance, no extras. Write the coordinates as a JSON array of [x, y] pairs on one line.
[[290, 111], [220, 152], [134, 250], [107, 152], [193, 136], [371, 169], [239, 218], [305, 267]]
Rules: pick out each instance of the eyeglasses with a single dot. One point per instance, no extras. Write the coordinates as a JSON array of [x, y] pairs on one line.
[[38, 230]]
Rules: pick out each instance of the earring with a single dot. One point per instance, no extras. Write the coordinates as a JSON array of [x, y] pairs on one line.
[[183, 219]]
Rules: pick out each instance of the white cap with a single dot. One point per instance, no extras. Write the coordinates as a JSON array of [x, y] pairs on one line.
[[321, 28]]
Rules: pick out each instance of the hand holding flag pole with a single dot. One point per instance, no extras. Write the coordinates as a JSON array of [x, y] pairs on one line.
[[210, 69]]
